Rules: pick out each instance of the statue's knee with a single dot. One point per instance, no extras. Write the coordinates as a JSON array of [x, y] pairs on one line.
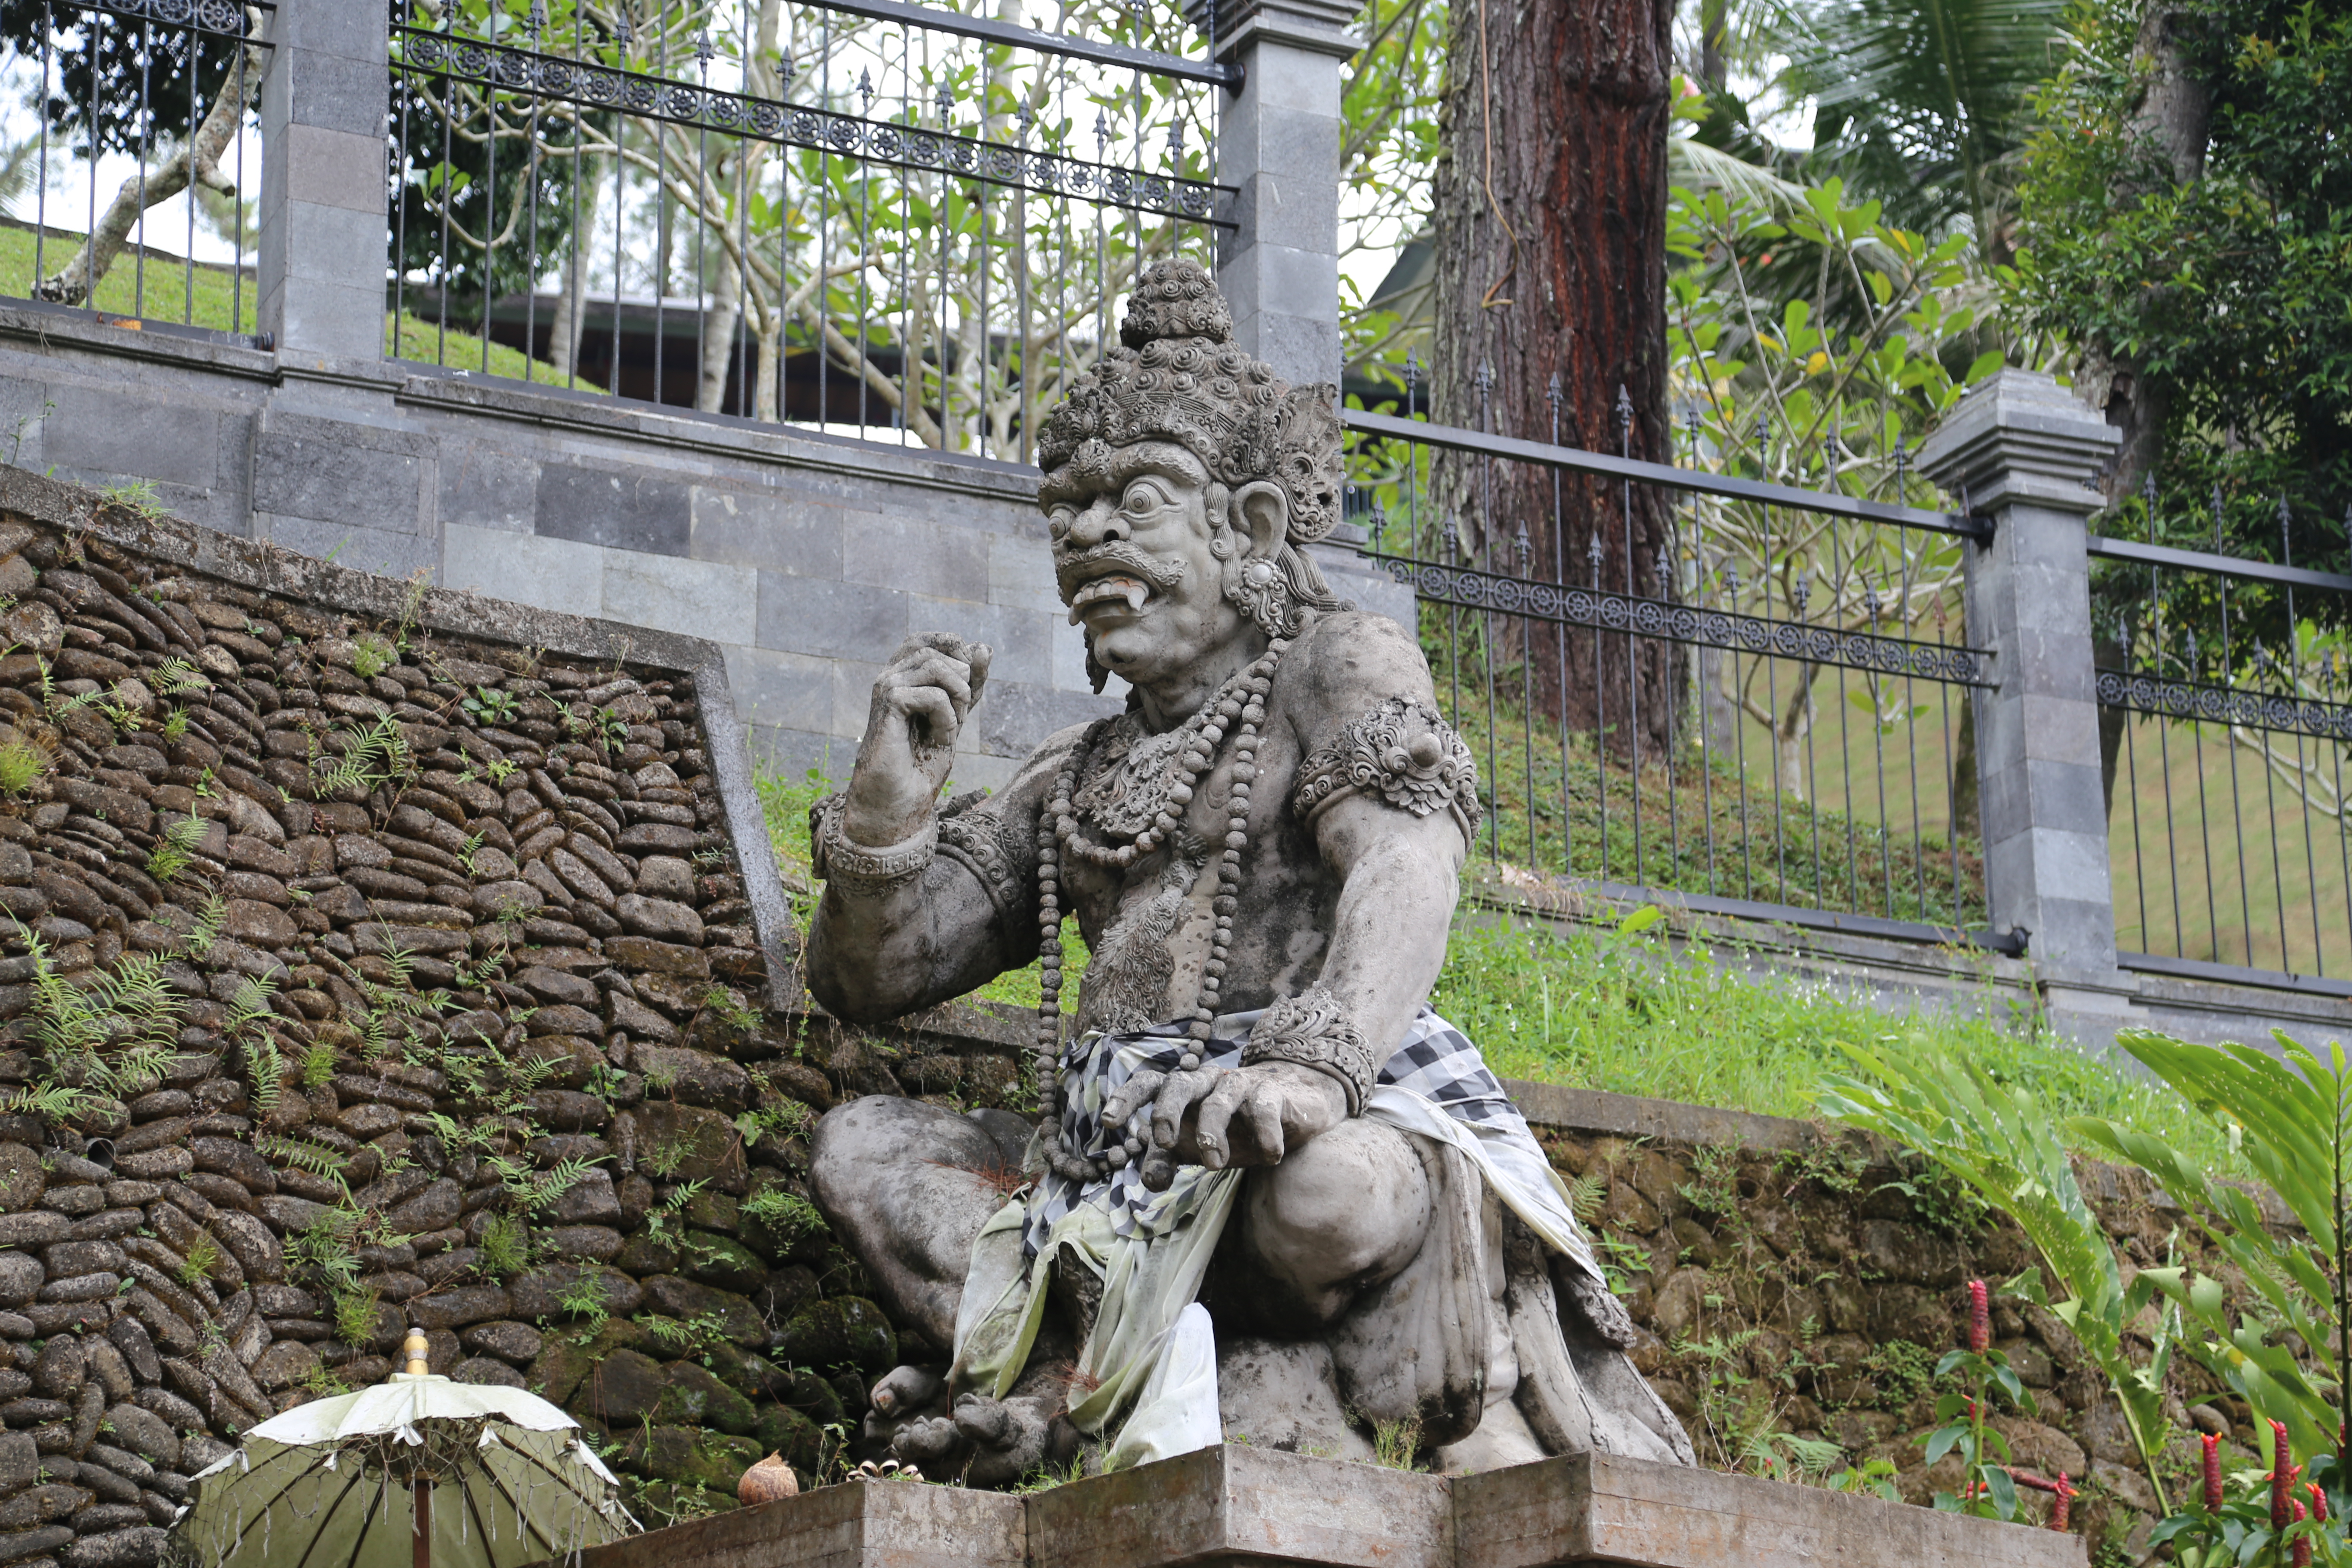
[[1352, 1205]]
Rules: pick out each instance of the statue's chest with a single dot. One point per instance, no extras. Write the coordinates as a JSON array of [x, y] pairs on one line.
[[1136, 776], [1154, 924]]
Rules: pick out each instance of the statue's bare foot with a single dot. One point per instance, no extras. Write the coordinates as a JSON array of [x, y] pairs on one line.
[[1011, 1437], [904, 1399], [932, 1443]]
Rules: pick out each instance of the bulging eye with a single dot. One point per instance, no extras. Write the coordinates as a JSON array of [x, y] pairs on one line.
[[1059, 521], [1145, 496]]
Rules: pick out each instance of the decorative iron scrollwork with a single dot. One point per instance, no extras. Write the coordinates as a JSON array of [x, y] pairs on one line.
[[2275, 711], [1572, 606], [204, 16], [514, 71]]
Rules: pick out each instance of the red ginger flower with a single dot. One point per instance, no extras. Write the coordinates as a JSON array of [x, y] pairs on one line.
[[2065, 1505], [2212, 1473], [2318, 1501], [2282, 1477], [2301, 1557], [1980, 1317]]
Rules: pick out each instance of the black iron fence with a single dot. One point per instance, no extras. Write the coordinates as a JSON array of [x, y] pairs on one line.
[[1681, 682], [131, 194], [2225, 693], [865, 215]]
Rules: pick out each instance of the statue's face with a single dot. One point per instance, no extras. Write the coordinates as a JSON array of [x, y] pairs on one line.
[[1142, 544]]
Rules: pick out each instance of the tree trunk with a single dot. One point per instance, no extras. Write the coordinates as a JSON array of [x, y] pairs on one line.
[[2172, 122], [719, 319], [1550, 199], [572, 300]]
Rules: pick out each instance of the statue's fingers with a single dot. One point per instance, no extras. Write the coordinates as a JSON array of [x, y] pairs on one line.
[[1158, 1169], [929, 712], [947, 643], [1217, 1108], [978, 655], [1176, 1098], [950, 673], [1133, 1096], [1260, 1114]]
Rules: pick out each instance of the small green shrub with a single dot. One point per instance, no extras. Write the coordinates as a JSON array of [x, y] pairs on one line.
[[21, 763], [787, 1214], [203, 1253], [372, 656], [504, 1247], [355, 1313]]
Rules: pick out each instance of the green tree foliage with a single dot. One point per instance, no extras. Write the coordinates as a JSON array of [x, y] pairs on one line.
[[1922, 103], [2228, 289]]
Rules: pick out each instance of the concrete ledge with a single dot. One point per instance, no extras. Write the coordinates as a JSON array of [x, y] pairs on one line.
[[1231, 1506], [865, 1524], [1590, 1111], [1630, 1511]]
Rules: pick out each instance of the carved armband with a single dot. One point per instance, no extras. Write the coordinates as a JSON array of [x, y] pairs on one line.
[[860, 869], [982, 843], [1313, 1031], [1401, 752]]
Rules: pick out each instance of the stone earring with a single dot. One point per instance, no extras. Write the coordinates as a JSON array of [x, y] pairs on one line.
[[1264, 597]]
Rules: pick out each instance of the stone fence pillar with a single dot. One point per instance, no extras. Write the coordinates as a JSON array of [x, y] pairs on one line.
[[2022, 450], [1279, 146], [324, 108]]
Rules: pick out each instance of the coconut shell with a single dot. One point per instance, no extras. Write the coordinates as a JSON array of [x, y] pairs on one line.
[[770, 1480]]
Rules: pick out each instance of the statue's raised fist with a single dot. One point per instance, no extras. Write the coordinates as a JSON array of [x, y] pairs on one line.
[[920, 705]]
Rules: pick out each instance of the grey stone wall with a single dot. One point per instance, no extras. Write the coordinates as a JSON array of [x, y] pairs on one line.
[[806, 558]]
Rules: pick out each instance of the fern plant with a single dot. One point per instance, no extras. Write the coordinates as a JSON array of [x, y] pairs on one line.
[[176, 849], [377, 754], [2291, 1115], [111, 1036], [2001, 1139]]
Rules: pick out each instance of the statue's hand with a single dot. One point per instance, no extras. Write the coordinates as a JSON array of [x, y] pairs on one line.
[[920, 705], [1219, 1117]]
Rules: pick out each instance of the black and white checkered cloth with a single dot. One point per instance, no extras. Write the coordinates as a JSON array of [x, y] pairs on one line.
[[1434, 1060]]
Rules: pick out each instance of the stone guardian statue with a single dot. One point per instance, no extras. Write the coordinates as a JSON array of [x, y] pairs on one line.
[[1272, 1195]]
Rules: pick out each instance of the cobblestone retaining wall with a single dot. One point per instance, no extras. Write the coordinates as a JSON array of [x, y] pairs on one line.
[[381, 956]]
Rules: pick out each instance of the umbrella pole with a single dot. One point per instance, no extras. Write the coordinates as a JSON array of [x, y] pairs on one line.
[[422, 1491]]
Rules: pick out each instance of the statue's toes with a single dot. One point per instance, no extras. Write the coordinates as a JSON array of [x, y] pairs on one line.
[[985, 1421], [931, 1441], [908, 1389]]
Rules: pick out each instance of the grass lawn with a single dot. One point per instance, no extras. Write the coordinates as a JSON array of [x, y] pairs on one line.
[[1621, 1011], [168, 290], [2215, 856]]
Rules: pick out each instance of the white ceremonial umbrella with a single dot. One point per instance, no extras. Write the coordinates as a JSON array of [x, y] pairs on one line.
[[414, 1472]]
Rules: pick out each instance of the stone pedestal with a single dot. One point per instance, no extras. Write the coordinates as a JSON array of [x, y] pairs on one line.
[[1232, 1506], [1279, 147], [323, 181], [2022, 450]]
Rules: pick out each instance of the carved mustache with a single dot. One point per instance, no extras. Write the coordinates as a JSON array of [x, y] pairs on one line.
[[1112, 558]]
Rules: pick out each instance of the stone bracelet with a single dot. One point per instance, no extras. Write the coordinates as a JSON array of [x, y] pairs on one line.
[[1312, 1031], [866, 870]]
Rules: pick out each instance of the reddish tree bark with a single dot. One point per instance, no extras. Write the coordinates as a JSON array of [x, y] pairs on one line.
[[1551, 206]]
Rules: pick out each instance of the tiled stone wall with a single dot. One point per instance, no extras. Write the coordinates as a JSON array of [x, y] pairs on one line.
[[806, 558]]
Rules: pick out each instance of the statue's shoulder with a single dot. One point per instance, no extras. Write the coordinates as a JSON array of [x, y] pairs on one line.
[[1365, 711], [1347, 661]]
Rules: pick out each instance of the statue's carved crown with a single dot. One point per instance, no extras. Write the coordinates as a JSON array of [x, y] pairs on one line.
[[1179, 378]]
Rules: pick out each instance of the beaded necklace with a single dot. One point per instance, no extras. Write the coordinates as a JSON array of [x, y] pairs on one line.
[[1238, 706]]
